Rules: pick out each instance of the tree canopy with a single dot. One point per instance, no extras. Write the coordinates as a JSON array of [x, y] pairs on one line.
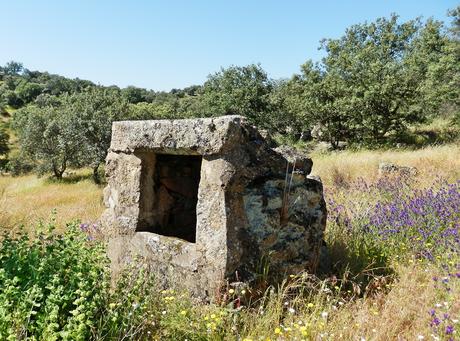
[[374, 81], [75, 130], [238, 91], [52, 136]]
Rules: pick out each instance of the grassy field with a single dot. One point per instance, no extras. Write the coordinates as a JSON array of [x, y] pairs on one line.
[[433, 161], [394, 246], [27, 199]]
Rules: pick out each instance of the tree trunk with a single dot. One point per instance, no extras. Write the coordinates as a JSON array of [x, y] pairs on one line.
[[96, 178], [58, 172]]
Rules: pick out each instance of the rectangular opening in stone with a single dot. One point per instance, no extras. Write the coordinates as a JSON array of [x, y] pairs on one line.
[[169, 195]]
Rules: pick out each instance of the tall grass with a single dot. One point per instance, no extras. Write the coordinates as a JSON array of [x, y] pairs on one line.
[[434, 161], [27, 199]]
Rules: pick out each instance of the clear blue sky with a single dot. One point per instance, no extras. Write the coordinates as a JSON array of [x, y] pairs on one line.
[[173, 44]]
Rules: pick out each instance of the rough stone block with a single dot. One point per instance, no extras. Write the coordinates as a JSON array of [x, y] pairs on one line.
[[203, 201]]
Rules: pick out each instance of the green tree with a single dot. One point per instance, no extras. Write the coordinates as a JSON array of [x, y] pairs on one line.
[[134, 95], [28, 91], [455, 27], [51, 136], [444, 77], [96, 109], [287, 114], [370, 84], [316, 98], [153, 111], [4, 138], [69, 130], [13, 68], [238, 91], [10, 98], [58, 85]]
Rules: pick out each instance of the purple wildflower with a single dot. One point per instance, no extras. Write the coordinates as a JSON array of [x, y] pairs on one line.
[[435, 322]]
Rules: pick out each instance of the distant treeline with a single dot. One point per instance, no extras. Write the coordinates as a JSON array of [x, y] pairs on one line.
[[373, 83]]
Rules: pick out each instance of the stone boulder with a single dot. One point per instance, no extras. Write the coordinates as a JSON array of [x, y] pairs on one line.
[[386, 168]]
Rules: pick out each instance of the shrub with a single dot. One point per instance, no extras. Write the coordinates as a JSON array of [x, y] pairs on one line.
[[51, 286], [19, 164]]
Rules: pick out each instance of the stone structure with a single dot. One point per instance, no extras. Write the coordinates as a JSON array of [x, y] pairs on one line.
[[206, 200]]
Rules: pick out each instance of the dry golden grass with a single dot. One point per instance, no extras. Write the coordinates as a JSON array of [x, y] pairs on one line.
[[27, 199], [430, 162], [402, 314]]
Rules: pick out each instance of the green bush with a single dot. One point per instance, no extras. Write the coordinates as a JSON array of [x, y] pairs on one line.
[[18, 164], [52, 286]]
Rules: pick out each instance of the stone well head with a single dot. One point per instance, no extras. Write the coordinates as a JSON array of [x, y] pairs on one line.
[[202, 201]]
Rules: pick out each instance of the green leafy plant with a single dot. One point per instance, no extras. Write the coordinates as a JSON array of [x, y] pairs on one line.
[[51, 286]]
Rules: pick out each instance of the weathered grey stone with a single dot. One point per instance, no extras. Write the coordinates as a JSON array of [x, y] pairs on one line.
[[386, 168], [317, 132], [204, 201], [306, 135], [298, 160]]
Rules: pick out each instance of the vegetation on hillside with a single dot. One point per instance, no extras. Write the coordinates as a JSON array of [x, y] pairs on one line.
[[374, 84]]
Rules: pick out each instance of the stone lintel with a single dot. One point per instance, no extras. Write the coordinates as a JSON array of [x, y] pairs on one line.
[[203, 136]]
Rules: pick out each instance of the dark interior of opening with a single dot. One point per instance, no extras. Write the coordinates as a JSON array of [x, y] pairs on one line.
[[175, 180]]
